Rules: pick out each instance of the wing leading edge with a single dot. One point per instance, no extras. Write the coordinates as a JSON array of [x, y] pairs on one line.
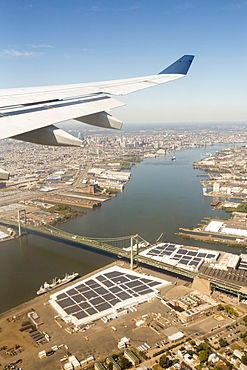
[[30, 114]]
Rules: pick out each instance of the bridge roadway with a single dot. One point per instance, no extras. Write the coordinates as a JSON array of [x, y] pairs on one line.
[[101, 244]]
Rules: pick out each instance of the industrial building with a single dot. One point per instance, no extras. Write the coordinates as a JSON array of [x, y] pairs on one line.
[[191, 306], [99, 366], [228, 261], [131, 357], [107, 294], [115, 365], [181, 256], [220, 228]]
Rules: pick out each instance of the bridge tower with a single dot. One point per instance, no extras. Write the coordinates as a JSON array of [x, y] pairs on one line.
[[131, 254], [20, 213], [132, 239]]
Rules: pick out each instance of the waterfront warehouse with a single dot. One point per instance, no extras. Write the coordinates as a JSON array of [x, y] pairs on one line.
[[105, 294]]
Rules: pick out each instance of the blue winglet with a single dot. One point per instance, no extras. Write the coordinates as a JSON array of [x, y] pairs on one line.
[[181, 66]]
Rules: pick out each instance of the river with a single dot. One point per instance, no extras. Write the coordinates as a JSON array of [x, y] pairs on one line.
[[161, 196]]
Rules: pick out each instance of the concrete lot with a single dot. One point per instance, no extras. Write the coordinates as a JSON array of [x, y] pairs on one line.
[[98, 340]]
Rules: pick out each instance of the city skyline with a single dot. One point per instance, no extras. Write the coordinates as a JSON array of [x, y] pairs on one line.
[[48, 43]]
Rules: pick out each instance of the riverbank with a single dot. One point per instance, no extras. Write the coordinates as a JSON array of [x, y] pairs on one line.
[[161, 196]]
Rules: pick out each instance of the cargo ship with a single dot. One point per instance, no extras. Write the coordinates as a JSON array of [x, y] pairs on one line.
[[46, 287]]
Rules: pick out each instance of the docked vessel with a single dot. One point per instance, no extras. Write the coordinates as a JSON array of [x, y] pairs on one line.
[[46, 287]]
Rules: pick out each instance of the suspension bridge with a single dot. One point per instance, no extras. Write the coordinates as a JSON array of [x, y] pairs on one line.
[[127, 247]]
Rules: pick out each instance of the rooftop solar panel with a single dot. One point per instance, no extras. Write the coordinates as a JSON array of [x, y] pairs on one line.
[[103, 306], [174, 254], [132, 284], [171, 248], [183, 261], [84, 305], [78, 298], [82, 288], [108, 283], [101, 278], [191, 253], [114, 301], [109, 296], [96, 301], [95, 286], [115, 289], [101, 291], [193, 263], [139, 289], [66, 302], [62, 296], [90, 294], [146, 291], [120, 279], [153, 283], [144, 280], [89, 282], [202, 255], [90, 297], [113, 274], [72, 292], [72, 309], [123, 296], [91, 311], [131, 277], [80, 315]]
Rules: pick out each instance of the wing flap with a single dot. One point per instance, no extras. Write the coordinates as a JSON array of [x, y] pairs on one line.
[[40, 116]]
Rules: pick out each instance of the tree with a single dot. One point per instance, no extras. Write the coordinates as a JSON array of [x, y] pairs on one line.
[[204, 347], [190, 352], [165, 361], [220, 307], [124, 363], [223, 342], [244, 359], [203, 356], [110, 366], [228, 365]]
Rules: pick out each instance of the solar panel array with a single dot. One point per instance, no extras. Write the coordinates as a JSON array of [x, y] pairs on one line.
[[187, 257], [102, 292]]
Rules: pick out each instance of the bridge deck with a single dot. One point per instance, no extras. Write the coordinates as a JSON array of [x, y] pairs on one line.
[[230, 281]]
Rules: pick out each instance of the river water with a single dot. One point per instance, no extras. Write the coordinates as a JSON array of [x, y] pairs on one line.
[[161, 196]]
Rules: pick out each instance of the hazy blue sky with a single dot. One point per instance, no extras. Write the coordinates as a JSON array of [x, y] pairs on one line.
[[45, 42]]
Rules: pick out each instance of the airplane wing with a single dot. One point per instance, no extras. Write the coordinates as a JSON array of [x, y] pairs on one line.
[[30, 114]]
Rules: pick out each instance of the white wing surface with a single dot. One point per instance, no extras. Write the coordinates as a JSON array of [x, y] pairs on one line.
[[30, 114]]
